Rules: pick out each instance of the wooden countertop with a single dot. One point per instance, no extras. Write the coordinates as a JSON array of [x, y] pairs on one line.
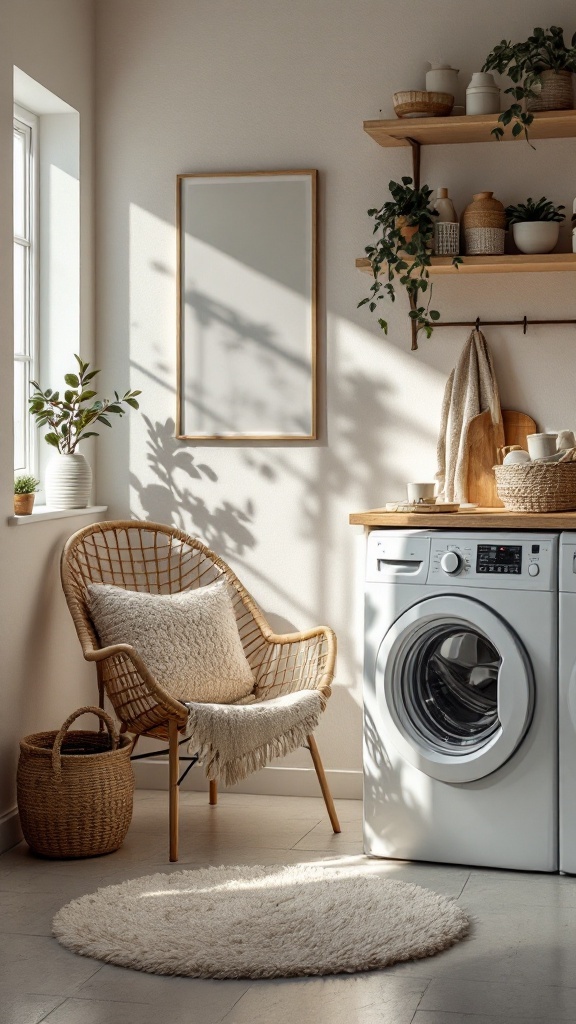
[[477, 519]]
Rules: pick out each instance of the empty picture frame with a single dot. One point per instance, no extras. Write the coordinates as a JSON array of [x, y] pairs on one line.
[[247, 305]]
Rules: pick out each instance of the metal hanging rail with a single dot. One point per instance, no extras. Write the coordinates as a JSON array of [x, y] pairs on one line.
[[479, 322]]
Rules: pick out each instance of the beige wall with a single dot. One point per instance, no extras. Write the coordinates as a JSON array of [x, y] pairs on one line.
[[219, 85], [43, 676]]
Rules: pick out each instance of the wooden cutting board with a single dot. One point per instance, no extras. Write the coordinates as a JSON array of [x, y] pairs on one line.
[[517, 426], [484, 444], [484, 441]]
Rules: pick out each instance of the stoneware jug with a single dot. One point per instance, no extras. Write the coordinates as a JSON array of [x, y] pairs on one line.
[[442, 78]]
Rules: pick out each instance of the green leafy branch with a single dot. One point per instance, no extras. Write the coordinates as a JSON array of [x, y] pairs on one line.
[[544, 50], [401, 256], [70, 416]]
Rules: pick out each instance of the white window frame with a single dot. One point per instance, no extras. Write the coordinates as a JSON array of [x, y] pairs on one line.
[[27, 122]]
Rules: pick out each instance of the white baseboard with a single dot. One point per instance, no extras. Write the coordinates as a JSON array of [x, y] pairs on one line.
[[10, 831], [344, 785]]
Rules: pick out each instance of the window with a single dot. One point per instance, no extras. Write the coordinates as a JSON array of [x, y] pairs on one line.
[[25, 284]]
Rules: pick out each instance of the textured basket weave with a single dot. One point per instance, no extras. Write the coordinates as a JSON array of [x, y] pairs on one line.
[[484, 241], [75, 789], [537, 486], [556, 94], [446, 239]]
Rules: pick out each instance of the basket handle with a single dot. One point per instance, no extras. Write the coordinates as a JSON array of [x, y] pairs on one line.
[[59, 739]]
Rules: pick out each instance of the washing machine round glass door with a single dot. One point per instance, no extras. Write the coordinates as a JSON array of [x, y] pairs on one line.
[[455, 688]]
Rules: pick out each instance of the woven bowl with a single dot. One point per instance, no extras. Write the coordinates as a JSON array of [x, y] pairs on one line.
[[537, 486], [417, 103]]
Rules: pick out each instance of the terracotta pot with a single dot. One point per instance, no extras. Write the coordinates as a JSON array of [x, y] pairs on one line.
[[406, 230], [23, 504], [556, 92]]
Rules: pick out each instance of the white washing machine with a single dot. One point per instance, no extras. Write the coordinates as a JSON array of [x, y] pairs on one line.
[[567, 701], [461, 698]]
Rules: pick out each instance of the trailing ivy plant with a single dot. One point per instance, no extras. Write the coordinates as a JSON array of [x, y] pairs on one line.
[[544, 209], [544, 50], [69, 416], [398, 260]]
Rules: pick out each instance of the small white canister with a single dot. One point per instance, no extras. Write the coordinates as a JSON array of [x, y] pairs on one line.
[[482, 95], [442, 78]]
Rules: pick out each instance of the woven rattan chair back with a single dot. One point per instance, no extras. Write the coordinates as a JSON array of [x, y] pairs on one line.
[[161, 559]]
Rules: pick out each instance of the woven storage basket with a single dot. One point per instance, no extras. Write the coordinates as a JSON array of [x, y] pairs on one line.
[[557, 92], [485, 241], [75, 789], [537, 486]]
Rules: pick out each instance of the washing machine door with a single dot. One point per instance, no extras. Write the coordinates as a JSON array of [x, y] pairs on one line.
[[455, 688]]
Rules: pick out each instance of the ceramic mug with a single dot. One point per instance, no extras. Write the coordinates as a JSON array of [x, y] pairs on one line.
[[565, 440], [421, 493], [541, 445]]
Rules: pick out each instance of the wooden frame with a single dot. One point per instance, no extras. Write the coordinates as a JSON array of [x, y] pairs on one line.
[[243, 363]]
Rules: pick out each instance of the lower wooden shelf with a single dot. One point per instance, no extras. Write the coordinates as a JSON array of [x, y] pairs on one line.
[[546, 263]]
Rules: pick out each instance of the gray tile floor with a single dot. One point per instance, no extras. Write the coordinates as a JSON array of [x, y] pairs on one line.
[[518, 966]]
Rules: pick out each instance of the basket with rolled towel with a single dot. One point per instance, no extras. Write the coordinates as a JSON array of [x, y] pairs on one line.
[[541, 486]]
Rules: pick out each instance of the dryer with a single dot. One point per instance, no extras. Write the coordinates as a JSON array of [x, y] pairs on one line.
[[460, 698]]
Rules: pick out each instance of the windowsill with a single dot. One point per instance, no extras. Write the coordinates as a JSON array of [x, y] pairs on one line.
[[42, 512]]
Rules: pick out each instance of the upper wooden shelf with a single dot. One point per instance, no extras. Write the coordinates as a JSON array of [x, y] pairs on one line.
[[554, 261], [432, 131]]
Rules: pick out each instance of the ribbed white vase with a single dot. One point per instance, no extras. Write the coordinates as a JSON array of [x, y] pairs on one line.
[[68, 481]]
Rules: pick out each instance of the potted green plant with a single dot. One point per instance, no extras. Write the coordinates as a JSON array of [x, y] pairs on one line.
[[535, 225], [540, 69], [70, 417], [401, 253], [25, 487]]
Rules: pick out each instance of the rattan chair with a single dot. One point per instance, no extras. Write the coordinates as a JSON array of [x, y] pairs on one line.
[[161, 559]]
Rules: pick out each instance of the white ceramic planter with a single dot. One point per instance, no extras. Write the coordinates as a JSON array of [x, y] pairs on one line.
[[536, 236], [68, 481]]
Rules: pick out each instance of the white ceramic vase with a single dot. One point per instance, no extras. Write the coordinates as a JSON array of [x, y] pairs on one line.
[[442, 78], [536, 236], [482, 95], [68, 481]]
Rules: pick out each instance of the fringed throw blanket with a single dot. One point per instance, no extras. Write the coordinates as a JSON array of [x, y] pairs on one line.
[[234, 740]]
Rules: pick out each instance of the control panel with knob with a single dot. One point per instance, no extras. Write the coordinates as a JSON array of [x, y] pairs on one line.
[[451, 562], [533, 569]]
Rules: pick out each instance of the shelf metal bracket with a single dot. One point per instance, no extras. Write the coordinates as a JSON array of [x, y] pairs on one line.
[[415, 146]]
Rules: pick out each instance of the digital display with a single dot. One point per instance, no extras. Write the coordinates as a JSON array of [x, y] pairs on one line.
[[499, 559]]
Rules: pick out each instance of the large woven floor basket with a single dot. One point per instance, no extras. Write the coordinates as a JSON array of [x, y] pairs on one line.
[[537, 486], [75, 789]]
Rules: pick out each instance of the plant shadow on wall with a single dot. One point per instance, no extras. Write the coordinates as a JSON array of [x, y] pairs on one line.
[[243, 337], [171, 499]]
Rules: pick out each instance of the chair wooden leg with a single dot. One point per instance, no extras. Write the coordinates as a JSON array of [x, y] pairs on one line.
[[323, 784], [173, 762], [213, 792]]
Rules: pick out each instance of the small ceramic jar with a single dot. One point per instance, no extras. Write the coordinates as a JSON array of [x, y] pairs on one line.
[[482, 95], [442, 78]]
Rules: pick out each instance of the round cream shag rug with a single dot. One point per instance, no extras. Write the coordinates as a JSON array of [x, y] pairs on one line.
[[260, 922]]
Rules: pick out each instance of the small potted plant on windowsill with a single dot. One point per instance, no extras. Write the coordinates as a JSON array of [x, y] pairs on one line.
[[69, 416], [25, 487], [541, 70], [402, 252], [535, 225]]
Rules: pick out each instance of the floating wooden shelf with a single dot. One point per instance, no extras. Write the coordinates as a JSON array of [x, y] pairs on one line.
[[432, 131], [555, 261]]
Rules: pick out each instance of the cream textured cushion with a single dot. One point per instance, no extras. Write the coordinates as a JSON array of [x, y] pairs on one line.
[[188, 641]]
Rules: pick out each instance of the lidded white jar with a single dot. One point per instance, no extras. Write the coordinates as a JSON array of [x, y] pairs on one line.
[[442, 78], [482, 95]]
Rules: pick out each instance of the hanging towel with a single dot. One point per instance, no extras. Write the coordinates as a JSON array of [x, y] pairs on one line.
[[471, 389]]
